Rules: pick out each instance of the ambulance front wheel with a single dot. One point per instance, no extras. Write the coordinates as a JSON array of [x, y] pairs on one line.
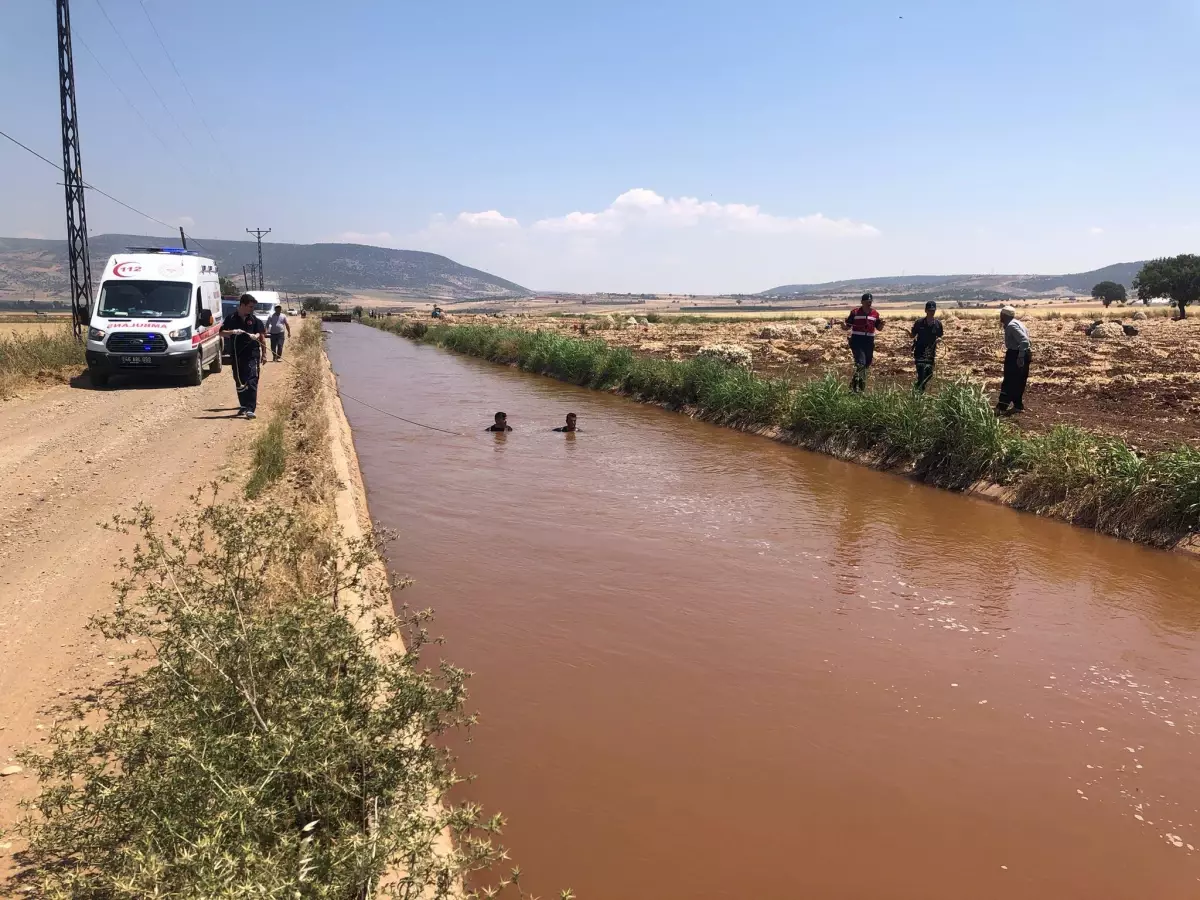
[[195, 374]]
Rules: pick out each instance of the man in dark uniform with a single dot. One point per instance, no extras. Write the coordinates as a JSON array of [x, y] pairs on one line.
[[862, 323], [249, 347], [570, 426], [926, 333]]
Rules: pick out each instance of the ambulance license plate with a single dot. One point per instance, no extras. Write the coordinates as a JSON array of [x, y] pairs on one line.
[[137, 361]]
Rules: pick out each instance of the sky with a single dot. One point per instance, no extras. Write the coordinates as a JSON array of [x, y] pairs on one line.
[[696, 147]]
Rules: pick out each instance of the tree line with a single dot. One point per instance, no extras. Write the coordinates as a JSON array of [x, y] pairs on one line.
[[1175, 277]]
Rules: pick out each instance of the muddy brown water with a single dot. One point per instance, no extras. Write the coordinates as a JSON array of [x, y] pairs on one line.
[[713, 666]]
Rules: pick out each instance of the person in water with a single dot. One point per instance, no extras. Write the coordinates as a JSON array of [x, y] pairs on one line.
[[501, 423], [570, 426]]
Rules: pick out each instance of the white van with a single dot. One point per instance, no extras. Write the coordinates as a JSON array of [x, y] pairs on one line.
[[265, 303], [158, 309]]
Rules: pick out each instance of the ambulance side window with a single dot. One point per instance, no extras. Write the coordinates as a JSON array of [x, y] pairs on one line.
[[199, 304]]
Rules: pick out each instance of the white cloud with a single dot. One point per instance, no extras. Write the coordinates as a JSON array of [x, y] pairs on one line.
[[1096, 230], [31, 235], [185, 222], [488, 219], [644, 241], [641, 207]]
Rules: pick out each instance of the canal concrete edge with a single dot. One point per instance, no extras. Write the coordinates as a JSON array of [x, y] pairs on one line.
[[353, 517]]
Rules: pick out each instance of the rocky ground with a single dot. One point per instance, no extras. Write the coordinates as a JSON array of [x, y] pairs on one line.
[[1143, 388]]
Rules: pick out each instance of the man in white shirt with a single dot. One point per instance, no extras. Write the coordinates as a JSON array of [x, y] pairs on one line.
[[277, 324], [1017, 353]]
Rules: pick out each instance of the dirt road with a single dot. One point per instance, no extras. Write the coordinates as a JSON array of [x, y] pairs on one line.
[[71, 458]]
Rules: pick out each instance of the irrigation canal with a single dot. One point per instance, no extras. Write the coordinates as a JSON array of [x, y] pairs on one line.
[[713, 666]]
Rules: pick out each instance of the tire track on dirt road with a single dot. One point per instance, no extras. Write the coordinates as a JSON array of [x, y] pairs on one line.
[[70, 459]]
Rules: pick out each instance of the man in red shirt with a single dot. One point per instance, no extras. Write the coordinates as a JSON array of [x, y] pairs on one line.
[[862, 323]]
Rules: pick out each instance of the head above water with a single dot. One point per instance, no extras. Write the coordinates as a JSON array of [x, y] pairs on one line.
[[501, 418], [1007, 314], [571, 419]]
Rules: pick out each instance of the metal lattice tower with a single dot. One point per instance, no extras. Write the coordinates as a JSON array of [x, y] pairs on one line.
[[77, 242], [258, 234]]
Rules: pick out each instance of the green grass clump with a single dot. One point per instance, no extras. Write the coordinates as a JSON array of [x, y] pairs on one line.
[[52, 354], [967, 443], [951, 438], [270, 455]]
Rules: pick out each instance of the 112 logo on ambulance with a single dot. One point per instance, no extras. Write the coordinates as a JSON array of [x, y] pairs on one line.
[[127, 269]]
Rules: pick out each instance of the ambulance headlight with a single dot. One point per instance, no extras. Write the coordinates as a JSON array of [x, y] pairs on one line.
[[95, 334], [181, 335]]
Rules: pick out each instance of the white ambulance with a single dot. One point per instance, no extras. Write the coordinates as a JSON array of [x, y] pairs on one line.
[[157, 310]]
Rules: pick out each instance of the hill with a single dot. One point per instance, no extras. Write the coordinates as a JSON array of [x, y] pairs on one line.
[[28, 265], [964, 287]]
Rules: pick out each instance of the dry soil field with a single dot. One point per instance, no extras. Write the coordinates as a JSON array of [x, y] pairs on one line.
[[1145, 388]]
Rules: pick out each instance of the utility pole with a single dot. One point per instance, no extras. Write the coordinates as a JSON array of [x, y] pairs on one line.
[[258, 234], [77, 245], [245, 278]]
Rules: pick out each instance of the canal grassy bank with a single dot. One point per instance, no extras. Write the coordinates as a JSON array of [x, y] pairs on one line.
[[270, 728], [949, 438]]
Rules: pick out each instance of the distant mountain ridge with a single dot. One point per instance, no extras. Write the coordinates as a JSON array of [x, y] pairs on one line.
[[28, 265], [964, 287]]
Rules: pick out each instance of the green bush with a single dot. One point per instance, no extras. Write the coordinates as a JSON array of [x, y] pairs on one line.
[[269, 739]]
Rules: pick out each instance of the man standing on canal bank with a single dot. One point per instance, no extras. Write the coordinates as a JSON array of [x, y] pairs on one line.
[[1017, 353], [249, 347], [926, 333], [862, 322]]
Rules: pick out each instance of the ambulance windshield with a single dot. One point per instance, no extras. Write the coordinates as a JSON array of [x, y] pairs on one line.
[[144, 299]]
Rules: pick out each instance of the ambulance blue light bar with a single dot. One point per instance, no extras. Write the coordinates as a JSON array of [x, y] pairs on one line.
[[178, 251]]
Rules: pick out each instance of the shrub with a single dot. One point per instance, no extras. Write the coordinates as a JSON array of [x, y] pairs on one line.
[[267, 742]]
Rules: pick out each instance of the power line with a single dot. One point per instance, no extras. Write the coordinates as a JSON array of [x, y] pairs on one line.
[[124, 96], [166, 108], [178, 75], [28, 150], [90, 187]]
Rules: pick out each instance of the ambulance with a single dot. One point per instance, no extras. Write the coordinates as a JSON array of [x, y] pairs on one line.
[[158, 310]]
